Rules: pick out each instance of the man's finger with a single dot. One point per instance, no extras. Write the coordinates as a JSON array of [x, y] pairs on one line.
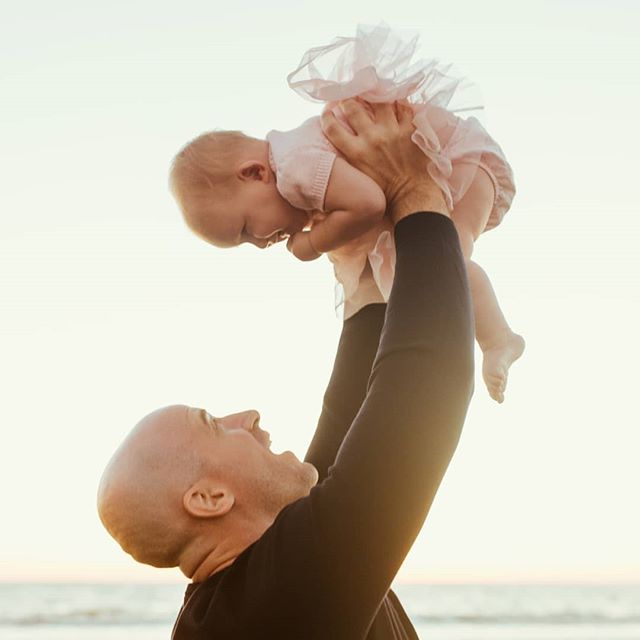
[[384, 113], [356, 115], [338, 135], [405, 115]]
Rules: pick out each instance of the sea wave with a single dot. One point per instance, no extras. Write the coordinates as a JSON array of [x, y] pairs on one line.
[[140, 605], [80, 617], [554, 619], [116, 617], [120, 618]]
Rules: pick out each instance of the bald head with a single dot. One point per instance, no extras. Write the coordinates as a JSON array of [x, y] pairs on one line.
[[190, 490], [141, 491]]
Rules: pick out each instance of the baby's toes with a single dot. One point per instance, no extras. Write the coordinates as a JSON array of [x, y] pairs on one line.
[[497, 395], [496, 385]]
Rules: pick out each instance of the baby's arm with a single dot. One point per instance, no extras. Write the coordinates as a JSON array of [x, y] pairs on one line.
[[354, 204]]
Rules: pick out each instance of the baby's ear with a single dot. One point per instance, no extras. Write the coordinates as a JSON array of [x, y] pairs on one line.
[[252, 170]]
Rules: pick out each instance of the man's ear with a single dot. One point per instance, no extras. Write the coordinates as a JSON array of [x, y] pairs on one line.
[[253, 170], [205, 499]]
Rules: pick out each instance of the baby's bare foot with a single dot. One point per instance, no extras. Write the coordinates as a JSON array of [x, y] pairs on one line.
[[498, 357]]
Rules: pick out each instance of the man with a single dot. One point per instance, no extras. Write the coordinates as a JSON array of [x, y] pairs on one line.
[[278, 548]]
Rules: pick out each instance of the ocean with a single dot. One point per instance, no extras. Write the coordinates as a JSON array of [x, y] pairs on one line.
[[460, 612]]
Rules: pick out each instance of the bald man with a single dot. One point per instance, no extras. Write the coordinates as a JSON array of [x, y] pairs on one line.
[[279, 548]]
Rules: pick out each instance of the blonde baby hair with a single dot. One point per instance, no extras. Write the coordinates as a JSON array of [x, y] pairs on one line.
[[203, 172]]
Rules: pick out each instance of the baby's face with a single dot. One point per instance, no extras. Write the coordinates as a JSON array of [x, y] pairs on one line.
[[257, 214], [267, 217]]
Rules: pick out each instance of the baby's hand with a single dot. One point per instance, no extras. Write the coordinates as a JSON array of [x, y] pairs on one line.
[[300, 245]]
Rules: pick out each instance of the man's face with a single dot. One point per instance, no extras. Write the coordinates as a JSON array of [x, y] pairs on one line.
[[180, 468], [237, 452]]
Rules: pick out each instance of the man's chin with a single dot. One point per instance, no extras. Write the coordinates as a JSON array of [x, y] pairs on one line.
[[305, 471], [312, 474]]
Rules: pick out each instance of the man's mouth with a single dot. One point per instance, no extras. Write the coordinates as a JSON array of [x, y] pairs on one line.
[[263, 438]]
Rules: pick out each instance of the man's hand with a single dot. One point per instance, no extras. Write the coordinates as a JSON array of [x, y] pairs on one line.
[[382, 148]]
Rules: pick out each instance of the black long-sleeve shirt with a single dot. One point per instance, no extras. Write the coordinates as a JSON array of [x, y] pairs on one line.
[[323, 569], [344, 396]]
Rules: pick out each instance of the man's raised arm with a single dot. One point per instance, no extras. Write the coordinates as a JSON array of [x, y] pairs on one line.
[[347, 386], [377, 495], [361, 333]]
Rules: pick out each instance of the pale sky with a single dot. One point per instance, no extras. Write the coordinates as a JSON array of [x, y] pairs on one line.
[[111, 308]]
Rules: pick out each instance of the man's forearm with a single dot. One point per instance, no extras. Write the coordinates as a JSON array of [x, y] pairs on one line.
[[393, 458], [347, 386], [358, 344]]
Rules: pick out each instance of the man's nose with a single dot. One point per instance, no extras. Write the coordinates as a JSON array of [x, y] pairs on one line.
[[243, 420]]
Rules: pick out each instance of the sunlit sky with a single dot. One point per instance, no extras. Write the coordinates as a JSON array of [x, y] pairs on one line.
[[110, 308]]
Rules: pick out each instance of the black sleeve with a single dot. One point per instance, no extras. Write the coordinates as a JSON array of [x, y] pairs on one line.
[[324, 566], [368, 511], [347, 386]]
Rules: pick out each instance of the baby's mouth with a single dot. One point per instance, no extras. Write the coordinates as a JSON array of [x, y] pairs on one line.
[[279, 236]]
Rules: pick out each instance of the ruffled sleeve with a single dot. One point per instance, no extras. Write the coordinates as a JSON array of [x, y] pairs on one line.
[[302, 176], [302, 160]]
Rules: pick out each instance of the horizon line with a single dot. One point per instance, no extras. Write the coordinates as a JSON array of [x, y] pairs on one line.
[[632, 582]]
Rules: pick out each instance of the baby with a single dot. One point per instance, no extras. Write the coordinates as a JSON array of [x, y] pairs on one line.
[[295, 186]]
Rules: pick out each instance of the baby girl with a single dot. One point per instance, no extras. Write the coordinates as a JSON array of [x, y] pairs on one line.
[[295, 186]]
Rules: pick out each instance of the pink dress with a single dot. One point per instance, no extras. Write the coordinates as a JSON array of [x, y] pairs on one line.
[[376, 65]]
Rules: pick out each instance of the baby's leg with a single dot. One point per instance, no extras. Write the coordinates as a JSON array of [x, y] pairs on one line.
[[501, 347]]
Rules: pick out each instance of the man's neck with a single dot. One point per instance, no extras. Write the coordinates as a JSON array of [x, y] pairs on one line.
[[202, 559], [215, 561]]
